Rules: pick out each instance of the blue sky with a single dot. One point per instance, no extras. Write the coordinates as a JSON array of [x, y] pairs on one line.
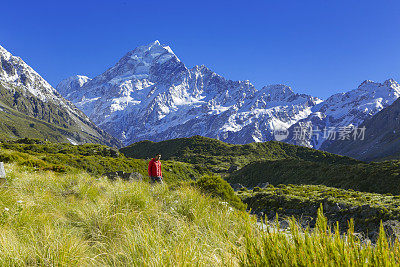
[[318, 47]]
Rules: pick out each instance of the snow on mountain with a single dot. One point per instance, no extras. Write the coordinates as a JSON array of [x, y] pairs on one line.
[[72, 84], [381, 137], [35, 97], [150, 94], [15, 71], [346, 109]]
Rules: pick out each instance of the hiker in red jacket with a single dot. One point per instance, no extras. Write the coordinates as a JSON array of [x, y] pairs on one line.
[[155, 169]]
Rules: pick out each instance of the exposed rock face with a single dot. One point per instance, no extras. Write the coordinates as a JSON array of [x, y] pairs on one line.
[[25, 95], [345, 110], [381, 140]]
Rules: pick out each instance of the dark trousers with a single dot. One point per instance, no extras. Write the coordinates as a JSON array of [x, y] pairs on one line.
[[156, 179]]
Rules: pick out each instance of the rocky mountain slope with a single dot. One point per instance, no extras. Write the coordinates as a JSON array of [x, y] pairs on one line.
[[31, 107], [340, 112], [150, 94], [381, 140]]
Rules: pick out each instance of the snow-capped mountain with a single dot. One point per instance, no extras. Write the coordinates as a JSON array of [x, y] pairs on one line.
[[24, 91], [150, 94], [381, 140], [16, 72], [71, 84], [344, 110]]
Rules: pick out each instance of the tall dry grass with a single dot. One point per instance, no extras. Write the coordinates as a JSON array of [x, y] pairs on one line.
[[49, 219]]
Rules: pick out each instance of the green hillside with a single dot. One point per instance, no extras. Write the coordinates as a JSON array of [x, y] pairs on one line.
[[22, 115], [95, 159], [14, 125], [76, 219], [219, 156], [380, 177], [56, 209]]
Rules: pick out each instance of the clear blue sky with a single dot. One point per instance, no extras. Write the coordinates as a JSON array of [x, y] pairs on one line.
[[318, 47]]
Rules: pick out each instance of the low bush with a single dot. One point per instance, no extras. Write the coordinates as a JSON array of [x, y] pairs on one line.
[[218, 187], [340, 205]]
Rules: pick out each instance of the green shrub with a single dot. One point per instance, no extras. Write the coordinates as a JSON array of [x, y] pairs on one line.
[[7, 158], [218, 187], [35, 163]]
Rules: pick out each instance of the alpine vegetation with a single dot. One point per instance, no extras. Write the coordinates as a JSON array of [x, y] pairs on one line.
[[77, 219]]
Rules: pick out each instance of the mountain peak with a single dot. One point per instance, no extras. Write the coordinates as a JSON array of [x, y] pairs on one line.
[[391, 82], [142, 63], [35, 100], [14, 70], [368, 83], [152, 51], [5, 53], [277, 92]]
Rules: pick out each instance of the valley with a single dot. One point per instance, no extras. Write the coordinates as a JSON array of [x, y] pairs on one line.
[[78, 169]]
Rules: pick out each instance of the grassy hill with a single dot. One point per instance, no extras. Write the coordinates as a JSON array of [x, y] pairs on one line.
[[92, 158], [56, 209], [15, 125], [219, 156], [22, 115], [380, 177], [50, 219]]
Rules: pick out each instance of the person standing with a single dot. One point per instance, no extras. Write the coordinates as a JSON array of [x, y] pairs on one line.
[[154, 169]]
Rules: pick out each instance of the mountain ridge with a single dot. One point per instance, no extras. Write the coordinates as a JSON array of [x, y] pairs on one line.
[[158, 97], [149, 94], [380, 140], [26, 96]]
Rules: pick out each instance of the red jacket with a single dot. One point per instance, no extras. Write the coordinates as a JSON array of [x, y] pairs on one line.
[[155, 168]]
